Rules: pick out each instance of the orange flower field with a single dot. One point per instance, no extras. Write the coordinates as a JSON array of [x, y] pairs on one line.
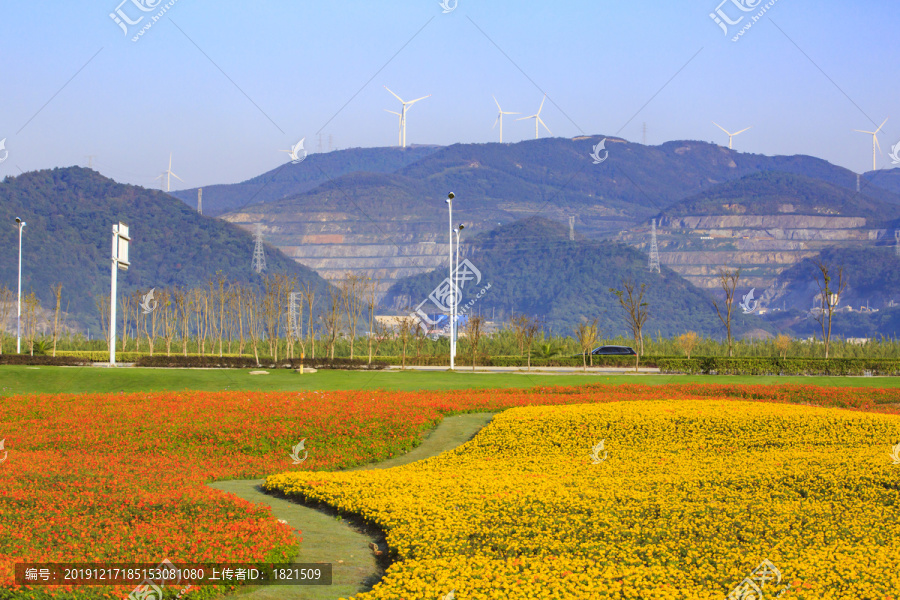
[[120, 478]]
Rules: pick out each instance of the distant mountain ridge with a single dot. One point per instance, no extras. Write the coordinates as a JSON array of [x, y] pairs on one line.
[[69, 214], [289, 179], [335, 227]]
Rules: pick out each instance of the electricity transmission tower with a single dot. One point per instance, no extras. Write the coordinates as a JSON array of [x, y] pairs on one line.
[[200, 200], [293, 329], [259, 255], [654, 249], [572, 228], [897, 241]]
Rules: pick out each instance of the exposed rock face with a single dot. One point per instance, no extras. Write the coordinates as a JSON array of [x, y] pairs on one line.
[[697, 247], [337, 243]]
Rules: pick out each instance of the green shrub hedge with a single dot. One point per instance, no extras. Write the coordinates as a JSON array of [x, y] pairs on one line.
[[59, 361], [778, 366], [248, 362]]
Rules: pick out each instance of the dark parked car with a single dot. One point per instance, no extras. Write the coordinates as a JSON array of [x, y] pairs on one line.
[[613, 351]]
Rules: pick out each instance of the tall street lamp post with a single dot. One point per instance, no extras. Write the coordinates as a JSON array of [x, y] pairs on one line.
[[450, 198], [20, 224]]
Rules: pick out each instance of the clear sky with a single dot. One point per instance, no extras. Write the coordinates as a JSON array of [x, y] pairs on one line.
[[224, 85]]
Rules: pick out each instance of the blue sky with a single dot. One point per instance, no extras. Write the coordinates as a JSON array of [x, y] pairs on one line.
[[224, 85]]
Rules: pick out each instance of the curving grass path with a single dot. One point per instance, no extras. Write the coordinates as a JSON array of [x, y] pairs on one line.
[[327, 538]]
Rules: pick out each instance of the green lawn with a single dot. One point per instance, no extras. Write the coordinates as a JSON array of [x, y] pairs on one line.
[[27, 380]]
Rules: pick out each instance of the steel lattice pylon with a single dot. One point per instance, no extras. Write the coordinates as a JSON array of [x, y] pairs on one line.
[[259, 254], [654, 248]]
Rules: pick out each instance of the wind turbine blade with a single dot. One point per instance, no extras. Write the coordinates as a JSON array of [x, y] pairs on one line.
[[875, 137], [417, 99], [510, 113], [861, 131], [523, 118], [497, 103], [742, 130], [176, 177], [393, 94], [497, 121], [542, 104], [880, 126], [393, 112], [545, 125], [720, 127]]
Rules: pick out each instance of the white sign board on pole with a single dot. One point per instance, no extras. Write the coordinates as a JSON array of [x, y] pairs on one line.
[[122, 252]]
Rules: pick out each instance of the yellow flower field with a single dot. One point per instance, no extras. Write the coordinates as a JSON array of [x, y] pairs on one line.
[[691, 497]]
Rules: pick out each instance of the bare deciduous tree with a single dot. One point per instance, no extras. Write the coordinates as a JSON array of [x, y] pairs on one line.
[[169, 318], [125, 307], [6, 306], [254, 326], [474, 330], [371, 293], [102, 304], [636, 313], [32, 314], [829, 296], [728, 280], [57, 293], [309, 294], [405, 328], [183, 300], [333, 316], [352, 299], [530, 331], [518, 324]]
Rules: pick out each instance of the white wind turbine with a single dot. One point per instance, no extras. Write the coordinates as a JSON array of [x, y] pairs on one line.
[[500, 117], [406, 106], [875, 143], [537, 119], [168, 174], [731, 135]]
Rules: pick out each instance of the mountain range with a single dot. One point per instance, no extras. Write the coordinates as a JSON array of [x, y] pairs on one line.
[[70, 213]]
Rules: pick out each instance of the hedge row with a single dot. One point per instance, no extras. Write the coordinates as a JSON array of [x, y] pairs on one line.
[[780, 366], [27, 359], [248, 362]]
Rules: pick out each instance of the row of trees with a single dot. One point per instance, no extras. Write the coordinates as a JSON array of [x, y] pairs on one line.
[[34, 319], [223, 316], [829, 280]]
